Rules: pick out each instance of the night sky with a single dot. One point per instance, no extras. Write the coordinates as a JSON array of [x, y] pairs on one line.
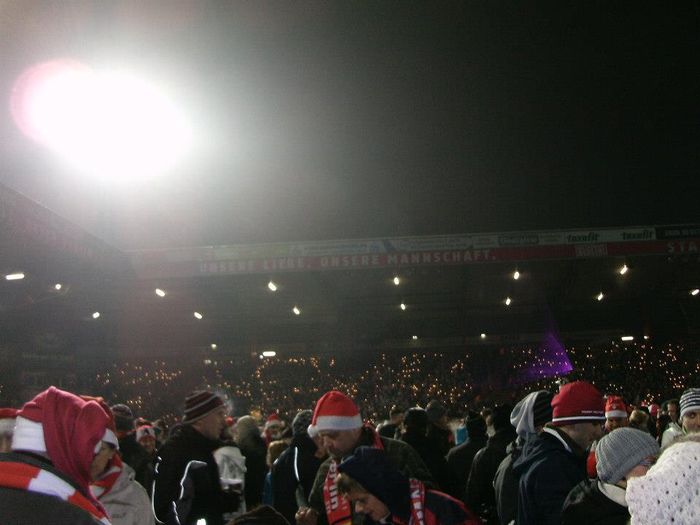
[[327, 120]]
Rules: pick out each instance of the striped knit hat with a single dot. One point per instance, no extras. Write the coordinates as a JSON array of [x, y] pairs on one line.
[[334, 411], [577, 402], [690, 401], [199, 404]]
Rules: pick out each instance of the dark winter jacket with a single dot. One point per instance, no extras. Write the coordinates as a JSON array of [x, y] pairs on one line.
[[480, 495], [255, 453], [296, 467], [505, 486], [22, 507], [548, 470], [436, 462], [400, 454], [186, 461], [372, 469], [459, 461], [441, 438], [588, 504]]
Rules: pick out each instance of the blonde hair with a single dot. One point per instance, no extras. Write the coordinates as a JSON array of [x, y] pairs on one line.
[[275, 450]]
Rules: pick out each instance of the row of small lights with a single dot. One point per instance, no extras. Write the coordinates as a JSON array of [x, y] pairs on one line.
[[272, 286]]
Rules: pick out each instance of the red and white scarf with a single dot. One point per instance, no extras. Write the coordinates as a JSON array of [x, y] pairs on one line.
[[27, 477], [337, 508], [107, 480], [417, 502]]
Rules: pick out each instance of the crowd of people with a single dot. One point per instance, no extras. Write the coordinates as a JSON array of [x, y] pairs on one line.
[[572, 454]]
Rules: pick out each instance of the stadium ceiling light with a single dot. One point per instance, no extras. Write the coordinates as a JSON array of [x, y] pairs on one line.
[[213, 346], [272, 286], [516, 275], [397, 281], [57, 287], [160, 292], [627, 338], [296, 310], [415, 338], [695, 291], [646, 337], [624, 269], [600, 296], [96, 315], [508, 301], [483, 335], [197, 315], [14, 276], [402, 306], [269, 353]]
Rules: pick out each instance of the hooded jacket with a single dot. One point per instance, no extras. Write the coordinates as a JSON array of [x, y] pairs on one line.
[[127, 502], [371, 469], [548, 469]]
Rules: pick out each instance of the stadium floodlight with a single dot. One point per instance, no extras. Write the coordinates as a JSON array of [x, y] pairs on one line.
[[269, 353], [627, 338], [397, 281], [104, 123], [516, 275], [272, 286], [296, 310], [213, 346], [415, 338], [695, 291], [623, 270], [57, 287], [197, 315], [96, 315], [14, 276], [402, 306], [160, 292], [483, 335], [600, 296], [508, 301]]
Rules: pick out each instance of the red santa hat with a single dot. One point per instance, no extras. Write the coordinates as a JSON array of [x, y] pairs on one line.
[[615, 407], [66, 428], [7, 421], [577, 402], [145, 432], [334, 411], [273, 420]]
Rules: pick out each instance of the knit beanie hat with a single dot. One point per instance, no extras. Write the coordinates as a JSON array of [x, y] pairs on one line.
[[435, 410], [577, 402], [534, 410], [615, 407], [123, 417], [199, 404], [334, 411], [621, 450], [7, 421], [669, 491], [690, 401], [301, 422]]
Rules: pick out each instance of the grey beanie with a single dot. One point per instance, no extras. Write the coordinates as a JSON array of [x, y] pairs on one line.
[[621, 450], [301, 422]]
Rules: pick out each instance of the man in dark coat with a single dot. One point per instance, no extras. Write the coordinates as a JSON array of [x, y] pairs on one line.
[[459, 458], [294, 471], [187, 485], [556, 461], [480, 495]]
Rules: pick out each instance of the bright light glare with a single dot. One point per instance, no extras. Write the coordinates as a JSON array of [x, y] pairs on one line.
[[96, 315], [483, 335], [415, 338], [160, 293], [695, 291], [197, 315], [627, 338], [296, 310], [508, 301], [516, 275], [14, 277], [397, 281], [269, 353], [213, 346], [57, 287], [105, 123], [624, 269], [272, 286], [600, 296], [402, 306]]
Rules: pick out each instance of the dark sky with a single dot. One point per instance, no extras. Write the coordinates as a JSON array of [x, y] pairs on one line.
[[320, 120]]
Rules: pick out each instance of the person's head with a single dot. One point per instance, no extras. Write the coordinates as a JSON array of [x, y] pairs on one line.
[[690, 410], [669, 491], [337, 421], [274, 450], [476, 426], [373, 485], [246, 431], [274, 426], [206, 413], [262, 515], [146, 437], [161, 430], [437, 414], [301, 422], [415, 421], [615, 413], [623, 454], [7, 428], [396, 414], [101, 460], [639, 420], [531, 413], [501, 417], [578, 409], [123, 418], [670, 408]]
